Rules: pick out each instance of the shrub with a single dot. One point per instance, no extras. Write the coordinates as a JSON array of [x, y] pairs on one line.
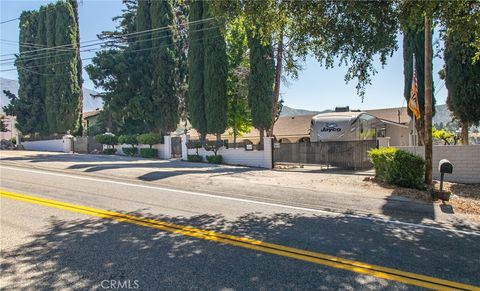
[[215, 159], [194, 144], [130, 151], [194, 158], [150, 139], [128, 139], [213, 146], [109, 151], [398, 167], [108, 139], [148, 153]]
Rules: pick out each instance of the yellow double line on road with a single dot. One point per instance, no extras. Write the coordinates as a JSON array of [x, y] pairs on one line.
[[243, 242]]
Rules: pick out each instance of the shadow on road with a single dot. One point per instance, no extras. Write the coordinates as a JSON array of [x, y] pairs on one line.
[[81, 254]]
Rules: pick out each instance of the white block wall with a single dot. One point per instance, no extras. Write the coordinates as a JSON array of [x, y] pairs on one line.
[[259, 159], [465, 160], [53, 145]]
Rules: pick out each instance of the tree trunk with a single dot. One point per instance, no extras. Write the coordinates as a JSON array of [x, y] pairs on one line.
[[219, 136], [428, 100], [234, 139], [278, 80], [420, 131], [465, 133], [262, 134]]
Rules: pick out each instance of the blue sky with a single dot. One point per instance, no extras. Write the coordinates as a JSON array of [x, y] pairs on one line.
[[315, 89]]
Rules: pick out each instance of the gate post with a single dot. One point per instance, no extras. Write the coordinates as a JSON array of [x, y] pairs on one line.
[[185, 139], [167, 147]]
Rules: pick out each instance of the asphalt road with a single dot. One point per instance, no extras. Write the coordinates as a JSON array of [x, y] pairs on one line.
[[46, 248]]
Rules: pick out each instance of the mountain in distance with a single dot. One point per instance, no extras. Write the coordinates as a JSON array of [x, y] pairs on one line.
[[89, 103]]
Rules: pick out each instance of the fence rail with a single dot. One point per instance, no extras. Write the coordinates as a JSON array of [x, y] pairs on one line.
[[344, 154]]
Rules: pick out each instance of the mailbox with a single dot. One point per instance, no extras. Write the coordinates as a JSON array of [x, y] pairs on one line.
[[444, 166]]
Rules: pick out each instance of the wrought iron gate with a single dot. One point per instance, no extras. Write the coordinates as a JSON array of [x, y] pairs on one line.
[[344, 154], [176, 143]]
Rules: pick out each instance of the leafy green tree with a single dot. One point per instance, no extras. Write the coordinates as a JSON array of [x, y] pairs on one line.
[[239, 119], [196, 95], [51, 102], [165, 102], [215, 75]]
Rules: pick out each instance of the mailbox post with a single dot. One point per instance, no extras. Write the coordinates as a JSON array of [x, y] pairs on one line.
[[444, 166]]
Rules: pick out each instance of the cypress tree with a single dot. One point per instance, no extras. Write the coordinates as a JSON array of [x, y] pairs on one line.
[[260, 82], [463, 82], [78, 125], [66, 72], [29, 107], [165, 102], [49, 71], [215, 75], [196, 98]]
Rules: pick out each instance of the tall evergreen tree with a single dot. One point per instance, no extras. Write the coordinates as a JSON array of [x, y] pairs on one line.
[[260, 82], [51, 103], [78, 126], [462, 79], [66, 72], [215, 75], [196, 97], [165, 102], [29, 107]]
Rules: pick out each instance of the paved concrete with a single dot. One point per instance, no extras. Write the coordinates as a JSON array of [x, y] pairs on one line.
[[45, 248], [335, 191]]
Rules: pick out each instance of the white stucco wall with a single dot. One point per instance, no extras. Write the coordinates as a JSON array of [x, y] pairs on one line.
[[465, 160], [259, 159], [53, 145]]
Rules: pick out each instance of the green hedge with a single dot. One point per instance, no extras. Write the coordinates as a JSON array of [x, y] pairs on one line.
[[148, 153], [398, 167], [130, 151], [108, 139], [109, 151], [194, 158], [150, 139], [128, 139], [215, 159]]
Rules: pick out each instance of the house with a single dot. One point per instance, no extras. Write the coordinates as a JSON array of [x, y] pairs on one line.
[[89, 118], [394, 128]]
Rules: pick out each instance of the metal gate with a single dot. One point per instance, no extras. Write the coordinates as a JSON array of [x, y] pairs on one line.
[[343, 154], [176, 143]]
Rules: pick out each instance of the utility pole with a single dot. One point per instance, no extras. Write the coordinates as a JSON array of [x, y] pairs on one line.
[[428, 99]]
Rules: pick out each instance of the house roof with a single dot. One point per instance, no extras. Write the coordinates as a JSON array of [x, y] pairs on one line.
[[298, 126], [391, 114], [88, 114]]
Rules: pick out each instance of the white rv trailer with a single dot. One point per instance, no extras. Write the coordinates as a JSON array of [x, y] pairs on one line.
[[343, 126]]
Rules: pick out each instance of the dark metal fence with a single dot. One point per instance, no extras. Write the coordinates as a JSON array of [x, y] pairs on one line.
[[344, 154]]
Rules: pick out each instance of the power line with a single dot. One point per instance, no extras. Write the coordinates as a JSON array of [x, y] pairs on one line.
[[84, 59], [128, 35], [10, 20], [98, 49]]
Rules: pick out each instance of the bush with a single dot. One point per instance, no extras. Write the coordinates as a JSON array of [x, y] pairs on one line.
[[128, 139], [216, 159], [109, 151], [148, 153], [398, 167], [194, 158], [194, 144], [130, 151], [150, 139], [107, 139], [213, 146]]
